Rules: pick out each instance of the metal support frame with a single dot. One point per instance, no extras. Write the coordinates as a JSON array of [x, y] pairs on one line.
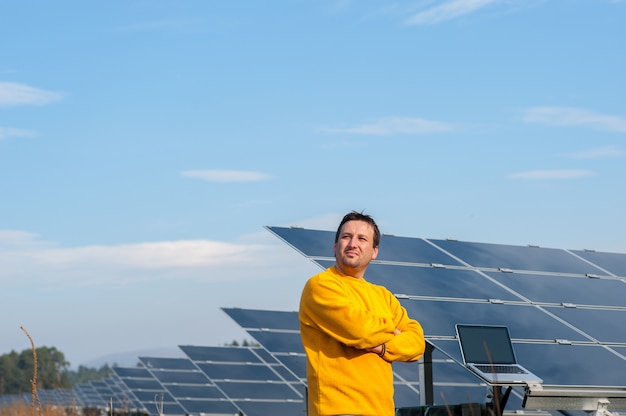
[[601, 401], [426, 377], [499, 399], [427, 391]]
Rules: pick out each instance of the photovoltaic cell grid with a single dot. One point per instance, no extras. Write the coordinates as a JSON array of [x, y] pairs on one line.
[[211, 381], [188, 385], [114, 393], [95, 394], [564, 308], [87, 396], [250, 378], [144, 388]]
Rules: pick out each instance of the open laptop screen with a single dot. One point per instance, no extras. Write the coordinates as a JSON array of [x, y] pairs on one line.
[[486, 344]]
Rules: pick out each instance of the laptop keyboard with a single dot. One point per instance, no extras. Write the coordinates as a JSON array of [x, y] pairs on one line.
[[500, 369]]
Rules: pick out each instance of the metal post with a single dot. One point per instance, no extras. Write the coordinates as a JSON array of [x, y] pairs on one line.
[[426, 377]]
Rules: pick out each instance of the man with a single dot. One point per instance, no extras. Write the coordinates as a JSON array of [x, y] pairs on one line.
[[352, 329]]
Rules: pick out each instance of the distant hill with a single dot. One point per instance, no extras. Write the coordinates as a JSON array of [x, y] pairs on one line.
[[131, 358]]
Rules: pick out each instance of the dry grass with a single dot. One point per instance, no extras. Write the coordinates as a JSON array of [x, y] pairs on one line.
[[23, 409]]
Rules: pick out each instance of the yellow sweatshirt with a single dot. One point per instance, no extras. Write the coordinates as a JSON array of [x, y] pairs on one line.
[[341, 316]]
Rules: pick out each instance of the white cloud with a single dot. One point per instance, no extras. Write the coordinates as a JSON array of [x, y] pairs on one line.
[[26, 258], [567, 116], [597, 153], [226, 175], [393, 125], [22, 239], [551, 174], [14, 94], [447, 11], [6, 132], [189, 253]]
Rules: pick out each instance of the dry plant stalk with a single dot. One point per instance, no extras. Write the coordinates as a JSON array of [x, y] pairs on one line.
[[33, 381], [159, 404]]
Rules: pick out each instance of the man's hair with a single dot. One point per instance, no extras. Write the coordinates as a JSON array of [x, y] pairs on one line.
[[359, 216]]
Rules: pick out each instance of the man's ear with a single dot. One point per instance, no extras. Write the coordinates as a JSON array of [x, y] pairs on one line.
[[375, 253]]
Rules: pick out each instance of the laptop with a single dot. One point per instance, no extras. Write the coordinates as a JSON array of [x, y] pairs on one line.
[[487, 351]]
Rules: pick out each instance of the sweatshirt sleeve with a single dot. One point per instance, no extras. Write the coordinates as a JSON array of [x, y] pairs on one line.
[[326, 306], [409, 344]]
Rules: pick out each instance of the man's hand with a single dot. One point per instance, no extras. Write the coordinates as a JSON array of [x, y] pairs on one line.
[[379, 349]]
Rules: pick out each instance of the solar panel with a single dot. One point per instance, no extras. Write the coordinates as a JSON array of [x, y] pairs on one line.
[[278, 332], [66, 397], [495, 256], [89, 396], [48, 397], [570, 290], [613, 264], [188, 385], [119, 394], [564, 308], [254, 381], [435, 281], [147, 390], [103, 390], [114, 395]]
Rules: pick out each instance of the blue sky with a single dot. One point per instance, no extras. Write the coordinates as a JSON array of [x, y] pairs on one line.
[[145, 144]]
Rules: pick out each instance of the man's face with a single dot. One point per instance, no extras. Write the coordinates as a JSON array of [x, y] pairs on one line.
[[355, 248]]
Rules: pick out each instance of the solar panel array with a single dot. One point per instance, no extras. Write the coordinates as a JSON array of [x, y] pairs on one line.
[[209, 381], [565, 309]]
